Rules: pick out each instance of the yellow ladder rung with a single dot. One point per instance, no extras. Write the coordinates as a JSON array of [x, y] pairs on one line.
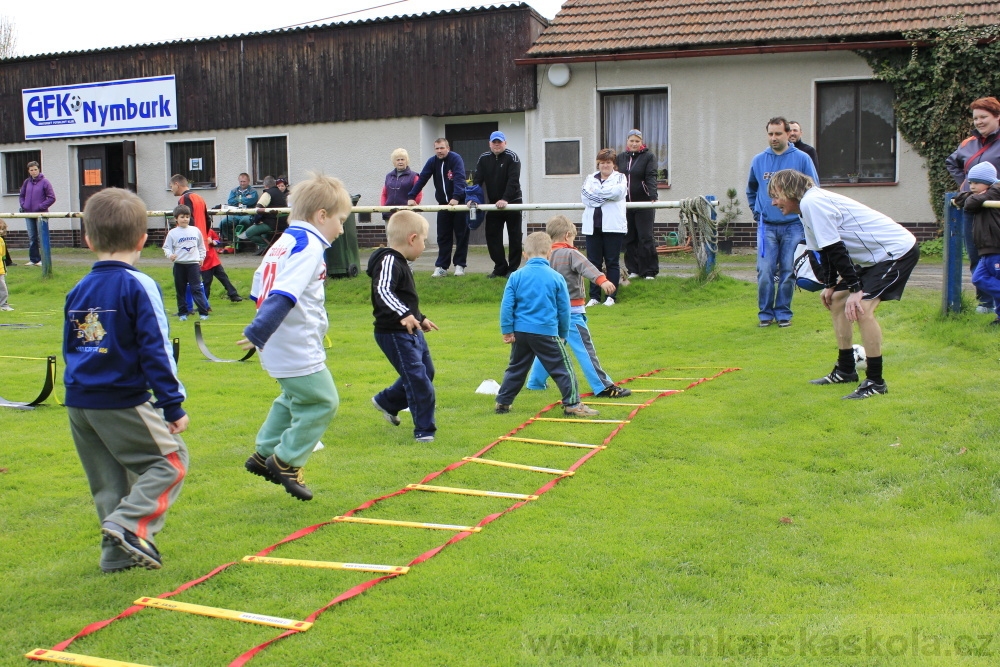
[[628, 405], [228, 614], [657, 391], [580, 421], [77, 659], [327, 565], [470, 492], [407, 524], [518, 466], [657, 377], [552, 442]]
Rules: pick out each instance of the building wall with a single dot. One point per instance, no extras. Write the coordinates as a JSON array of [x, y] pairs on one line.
[[356, 152], [718, 110]]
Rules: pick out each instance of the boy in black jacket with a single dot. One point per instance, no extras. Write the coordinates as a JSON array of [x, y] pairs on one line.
[[400, 326], [984, 187]]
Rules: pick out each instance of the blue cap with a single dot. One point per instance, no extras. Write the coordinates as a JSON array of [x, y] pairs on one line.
[[497, 136], [984, 172]]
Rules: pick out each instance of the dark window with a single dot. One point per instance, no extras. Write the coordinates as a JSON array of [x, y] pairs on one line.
[[562, 158], [16, 168], [268, 157], [194, 160], [856, 132], [646, 112]]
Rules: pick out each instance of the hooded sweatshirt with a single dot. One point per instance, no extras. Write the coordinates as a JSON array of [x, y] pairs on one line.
[[765, 164]]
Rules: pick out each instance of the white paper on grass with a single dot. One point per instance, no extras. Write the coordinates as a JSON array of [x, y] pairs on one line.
[[319, 446], [489, 387]]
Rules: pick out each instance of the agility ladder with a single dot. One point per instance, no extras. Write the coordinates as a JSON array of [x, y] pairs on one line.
[[291, 626]]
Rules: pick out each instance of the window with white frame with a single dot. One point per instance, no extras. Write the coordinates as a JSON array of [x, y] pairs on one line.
[[15, 164], [195, 160], [646, 111], [268, 157], [562, 157], [855, 132]]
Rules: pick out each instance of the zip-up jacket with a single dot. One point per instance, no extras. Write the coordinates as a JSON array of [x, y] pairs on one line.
[[36, 195], [397, 185], [246, 197], [810, 151], [501, 176], [574, 266], [448, 175], [394, 294], [639, 168], [116, 343], [767, 163], [970, 153], [609, 197], [535, 300], [986, 221]]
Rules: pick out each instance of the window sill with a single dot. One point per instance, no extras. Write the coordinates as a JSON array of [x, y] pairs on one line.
[[882, 184], [663, 186]]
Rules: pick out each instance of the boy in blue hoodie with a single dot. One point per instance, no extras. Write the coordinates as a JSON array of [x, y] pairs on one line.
[[534, 321], [117, 348]]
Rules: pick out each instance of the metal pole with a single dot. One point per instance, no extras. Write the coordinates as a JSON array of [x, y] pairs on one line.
[[43, 236], [951, 293]]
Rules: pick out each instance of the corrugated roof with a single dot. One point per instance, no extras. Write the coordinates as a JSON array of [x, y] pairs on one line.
[[606, 26], [279, 31]]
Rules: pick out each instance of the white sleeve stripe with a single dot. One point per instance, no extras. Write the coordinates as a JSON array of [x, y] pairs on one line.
[[383, 287]]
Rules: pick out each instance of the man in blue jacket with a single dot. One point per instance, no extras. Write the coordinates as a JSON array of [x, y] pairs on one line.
[[777, 233], [448, 171]]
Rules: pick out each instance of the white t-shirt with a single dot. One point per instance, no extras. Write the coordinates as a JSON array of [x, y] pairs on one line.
[[870, 237], [295, 267]]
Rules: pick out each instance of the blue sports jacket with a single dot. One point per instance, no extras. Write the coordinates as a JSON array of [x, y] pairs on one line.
[[116, 343], [449, 178], [535, 300]]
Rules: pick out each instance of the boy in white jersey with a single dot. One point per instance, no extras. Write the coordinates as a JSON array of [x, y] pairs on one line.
[[871, 253], [185, 247], [288, 332]]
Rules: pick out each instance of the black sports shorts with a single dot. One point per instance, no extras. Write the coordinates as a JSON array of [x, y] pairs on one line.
[[885, 281]]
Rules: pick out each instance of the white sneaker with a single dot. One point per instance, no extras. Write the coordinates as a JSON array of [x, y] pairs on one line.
[[459, 270], [609, 301], [650, 277], [32, 263], [982, 310], [439, 273], [6, 307], [633, 275], [592, 302]]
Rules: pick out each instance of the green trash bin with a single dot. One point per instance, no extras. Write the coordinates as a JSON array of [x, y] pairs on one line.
[[342, 257]]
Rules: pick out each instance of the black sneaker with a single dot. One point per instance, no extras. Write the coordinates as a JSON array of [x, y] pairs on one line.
[[257, 465], [867, 389], [784, 324], [389, 417], [236, 298], [836, 376], [289, 477], [142, 552], [614, 391], [502, 409], [765, 323]]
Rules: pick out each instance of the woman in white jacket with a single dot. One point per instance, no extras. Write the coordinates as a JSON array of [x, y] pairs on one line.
[[604, 223]]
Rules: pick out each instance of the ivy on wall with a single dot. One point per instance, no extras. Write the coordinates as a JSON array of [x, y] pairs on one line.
[[935, 81]]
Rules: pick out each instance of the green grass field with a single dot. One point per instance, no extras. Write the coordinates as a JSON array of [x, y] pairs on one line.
[[755, 519]]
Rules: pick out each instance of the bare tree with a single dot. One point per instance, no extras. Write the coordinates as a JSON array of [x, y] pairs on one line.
[[8, 37]]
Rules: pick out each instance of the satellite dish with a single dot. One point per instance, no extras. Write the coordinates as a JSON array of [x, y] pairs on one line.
[[559, 75]]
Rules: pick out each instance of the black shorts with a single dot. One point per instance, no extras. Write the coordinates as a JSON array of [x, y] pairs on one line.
[[885, 281]]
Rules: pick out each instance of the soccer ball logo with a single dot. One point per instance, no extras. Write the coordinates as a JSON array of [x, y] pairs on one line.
[[75, 103], [860, 358]]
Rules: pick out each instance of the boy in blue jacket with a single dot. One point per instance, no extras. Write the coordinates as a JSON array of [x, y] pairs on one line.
[[117, 347], [534, 321]]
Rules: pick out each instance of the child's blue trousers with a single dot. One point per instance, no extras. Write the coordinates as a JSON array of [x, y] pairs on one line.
[[414, 388]]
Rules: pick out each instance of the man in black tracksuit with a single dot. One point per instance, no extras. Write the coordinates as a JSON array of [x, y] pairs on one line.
[[499, 172]]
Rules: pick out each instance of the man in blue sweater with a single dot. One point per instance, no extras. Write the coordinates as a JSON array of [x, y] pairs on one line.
[[534, 321], [448, 171], [777, 233]]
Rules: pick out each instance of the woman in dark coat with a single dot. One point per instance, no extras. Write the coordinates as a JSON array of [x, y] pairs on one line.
[[638, 165]]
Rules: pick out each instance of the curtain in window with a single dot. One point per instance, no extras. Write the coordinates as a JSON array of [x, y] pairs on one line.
[[653, 124], [619, 114]]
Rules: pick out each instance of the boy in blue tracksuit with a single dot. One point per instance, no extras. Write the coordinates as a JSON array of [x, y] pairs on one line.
[[117, 348], [448, 171], [534, 321]]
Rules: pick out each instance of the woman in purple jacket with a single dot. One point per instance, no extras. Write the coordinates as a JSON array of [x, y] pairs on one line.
[[36, 197], [398, 182]]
